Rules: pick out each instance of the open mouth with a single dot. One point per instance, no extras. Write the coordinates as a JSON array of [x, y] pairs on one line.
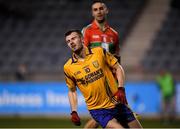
[[100, 16]]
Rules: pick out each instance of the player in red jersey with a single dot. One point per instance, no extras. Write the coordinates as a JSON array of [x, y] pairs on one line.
[[99, 33]]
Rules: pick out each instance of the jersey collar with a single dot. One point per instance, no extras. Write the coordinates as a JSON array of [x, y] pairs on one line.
[[75, 58]]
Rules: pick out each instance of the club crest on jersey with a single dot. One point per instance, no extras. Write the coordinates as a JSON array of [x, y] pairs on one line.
[[95, 64], [87, 70]]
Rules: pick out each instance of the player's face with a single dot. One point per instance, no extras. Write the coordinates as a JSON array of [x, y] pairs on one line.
[[99, 12], [74, 41]]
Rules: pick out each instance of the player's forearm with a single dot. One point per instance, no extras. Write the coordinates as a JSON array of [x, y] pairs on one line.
[[73, 100], [120, 75]]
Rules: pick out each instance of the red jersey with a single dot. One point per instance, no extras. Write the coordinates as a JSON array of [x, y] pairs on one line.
[[108, 39]]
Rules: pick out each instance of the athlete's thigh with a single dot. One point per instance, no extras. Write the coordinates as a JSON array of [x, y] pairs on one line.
[[135, 124], [91, 124], [113, 124]]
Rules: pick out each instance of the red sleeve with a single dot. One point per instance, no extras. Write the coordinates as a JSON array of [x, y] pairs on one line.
[[86, 37]]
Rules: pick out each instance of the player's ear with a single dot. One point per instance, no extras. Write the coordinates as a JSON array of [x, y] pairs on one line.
[[82, 39], [107, 10], [92, 13]]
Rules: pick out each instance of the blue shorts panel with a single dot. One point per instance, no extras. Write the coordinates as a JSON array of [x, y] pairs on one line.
[[121, 112], [103, 116], [125, 114]]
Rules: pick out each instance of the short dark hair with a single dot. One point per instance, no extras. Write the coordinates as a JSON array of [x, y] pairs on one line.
[[97, 1], [73, 30]]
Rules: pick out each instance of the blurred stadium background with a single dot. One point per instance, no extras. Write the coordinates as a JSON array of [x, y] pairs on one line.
[[32, 33]]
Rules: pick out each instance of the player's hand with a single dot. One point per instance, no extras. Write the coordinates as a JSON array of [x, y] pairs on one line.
[[121, 95], [75, 118]]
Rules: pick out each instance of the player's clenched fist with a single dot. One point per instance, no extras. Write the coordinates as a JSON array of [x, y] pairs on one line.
[[75, 118], [121, 95]]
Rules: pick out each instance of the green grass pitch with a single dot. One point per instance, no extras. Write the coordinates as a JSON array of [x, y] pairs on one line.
[[47, 122]]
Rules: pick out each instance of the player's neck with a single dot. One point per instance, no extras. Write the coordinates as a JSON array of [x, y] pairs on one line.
[[81, 54], [101, 25]]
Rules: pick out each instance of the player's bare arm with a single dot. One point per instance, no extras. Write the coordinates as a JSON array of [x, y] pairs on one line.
[[120, 94], [119, 72], [72, 94]]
